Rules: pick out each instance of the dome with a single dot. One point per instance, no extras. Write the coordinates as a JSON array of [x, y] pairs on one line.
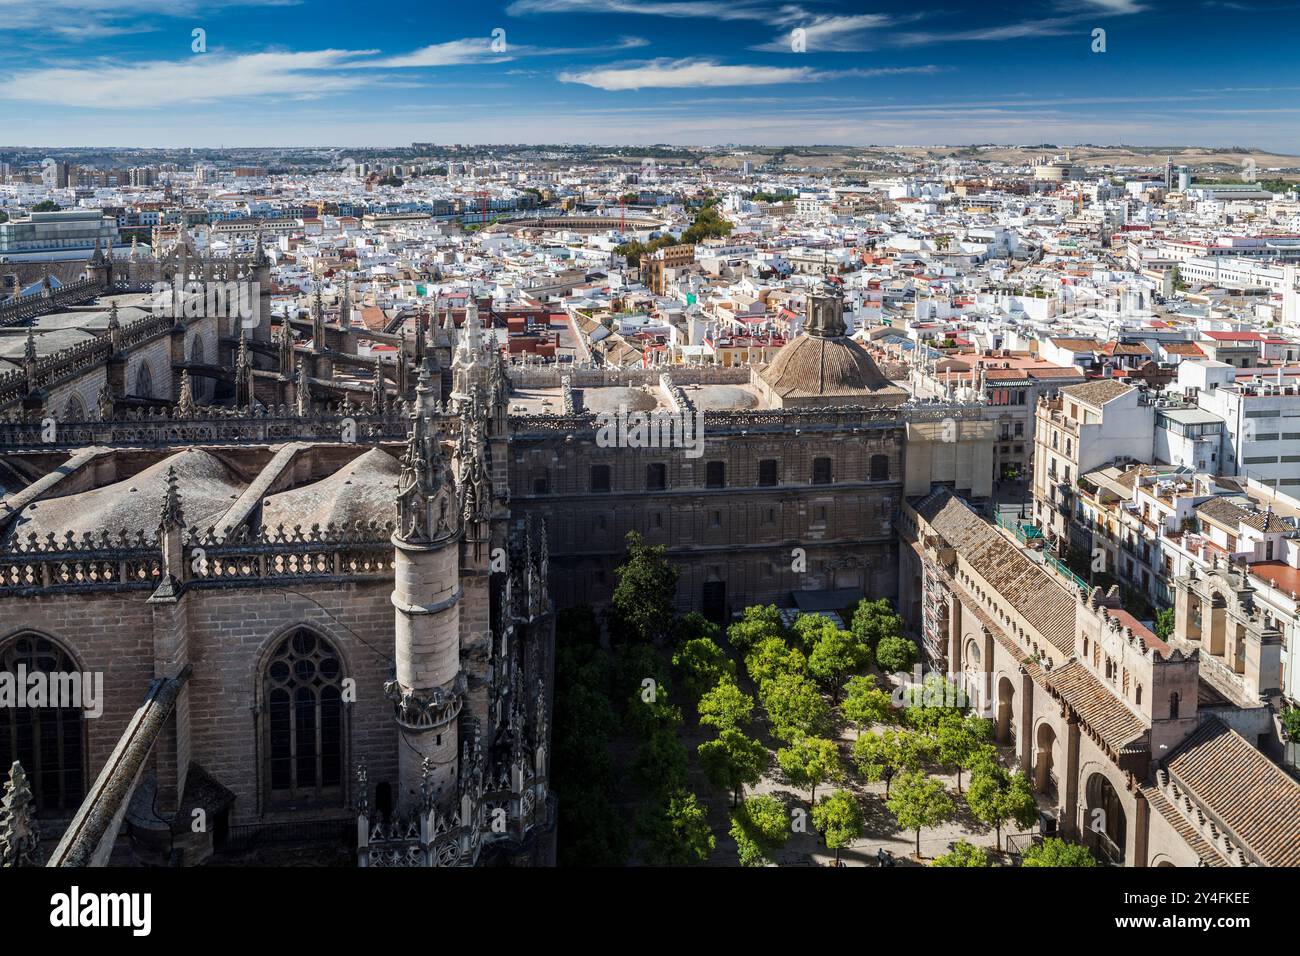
[[723, 398], [608, 400], [820, 367], [207, 491], [364, 489]]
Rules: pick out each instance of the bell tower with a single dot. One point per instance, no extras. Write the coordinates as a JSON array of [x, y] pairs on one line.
[[429, 688]]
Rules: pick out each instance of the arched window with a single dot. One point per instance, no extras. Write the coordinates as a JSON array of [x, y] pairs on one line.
[[1173, 705], [46, 740], [196, 350], [143, 382], [74, 411], [304, 720]]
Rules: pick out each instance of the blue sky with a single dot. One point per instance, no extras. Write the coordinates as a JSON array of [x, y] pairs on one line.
[[327, 72]]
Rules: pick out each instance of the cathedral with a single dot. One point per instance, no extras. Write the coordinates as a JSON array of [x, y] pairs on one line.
[[319, 581]]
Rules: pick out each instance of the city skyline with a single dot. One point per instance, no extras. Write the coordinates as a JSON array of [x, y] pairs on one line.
[[683, 72]]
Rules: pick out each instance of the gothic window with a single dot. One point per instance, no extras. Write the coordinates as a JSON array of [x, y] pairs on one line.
[[767, 473], [196, 350], [715, 474], [74, 411], [143, 382], [821, 472], [48, 741], [600, 478], [304, 720], [879, 467]]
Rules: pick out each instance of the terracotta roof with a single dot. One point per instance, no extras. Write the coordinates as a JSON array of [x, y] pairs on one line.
[[1222, 510], [1160, 803], [1076, 345], [816, 365], [1101, 710], [1097, 393], [1046, 605], [1251, 797]]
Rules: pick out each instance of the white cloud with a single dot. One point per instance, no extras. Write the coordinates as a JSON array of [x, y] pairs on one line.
[[480, 50], [759, 10], [667, 73], [198, 79], [94, 19], [833, 34]]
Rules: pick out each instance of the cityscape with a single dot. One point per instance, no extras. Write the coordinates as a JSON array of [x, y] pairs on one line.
[[553, 446]]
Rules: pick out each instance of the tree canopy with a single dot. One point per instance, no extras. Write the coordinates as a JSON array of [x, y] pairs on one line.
[[726, 707], [701, 663], [838, 816], [794, 706], [963, 854], [643, 605], [996, 796], [756, 623], [733, 761], [676, 831], [1056, 852], [810, 762], [918, 803], [896, 654], [760, 828], [865, 704]]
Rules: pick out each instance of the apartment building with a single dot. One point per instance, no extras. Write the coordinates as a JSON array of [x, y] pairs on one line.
[[1082, 428]]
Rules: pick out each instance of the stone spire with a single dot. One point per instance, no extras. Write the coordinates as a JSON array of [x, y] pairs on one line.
[[170, 515], [419, 339], [426, 492], [185, 405], [29, 359], [449, 326], [345, 304], [20, 837], [106, 403], [114, 329], [403, 367], [302, 391], [470, 368], [317, 322], [470, 347], [244, 392], [474, 484], [286, 348], [378, 390], [543, 563], [171, 525]]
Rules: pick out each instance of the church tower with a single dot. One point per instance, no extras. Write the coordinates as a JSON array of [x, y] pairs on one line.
[[430, 686]]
